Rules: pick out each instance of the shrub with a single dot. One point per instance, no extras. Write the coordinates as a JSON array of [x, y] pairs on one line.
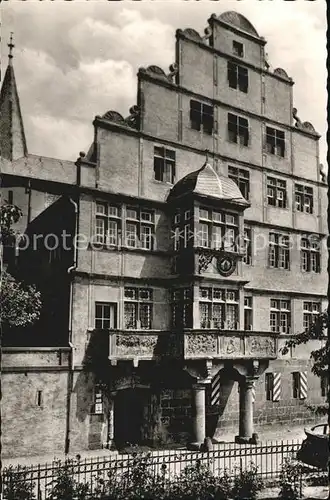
[[65, 487], [197, 482], [140, 480], [290, 480], [17, 485], [247, 484]]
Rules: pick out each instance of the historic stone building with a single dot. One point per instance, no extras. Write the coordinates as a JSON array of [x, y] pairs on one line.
[[201, 223]]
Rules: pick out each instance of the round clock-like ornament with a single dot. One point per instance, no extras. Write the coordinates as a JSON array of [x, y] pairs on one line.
[[226, 265]]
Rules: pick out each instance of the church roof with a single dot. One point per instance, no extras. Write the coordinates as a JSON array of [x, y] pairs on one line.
[[12, 135], [40, 168], [206, 182]]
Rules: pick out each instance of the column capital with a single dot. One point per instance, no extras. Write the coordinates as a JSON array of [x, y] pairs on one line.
[[249, 382], [199, 386]]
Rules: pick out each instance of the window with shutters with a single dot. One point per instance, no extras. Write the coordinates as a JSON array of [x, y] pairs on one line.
[[275, 141], [276, 192], [311, 311], [238, 129], [304, 198], [108, 224], [182, 308], [248, 314], [218, 308], [164, 164], [295, 385], [241, 177], [299, 385], [269, 382], [217, 230], [279, 251], [280, 316], [238, 77], [201, 117], [310, 255], [137, 308]]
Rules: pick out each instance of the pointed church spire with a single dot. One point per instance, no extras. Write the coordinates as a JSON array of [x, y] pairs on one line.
[[12, 136], [11, 46]]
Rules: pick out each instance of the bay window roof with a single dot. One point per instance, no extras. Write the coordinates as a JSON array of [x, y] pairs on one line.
[[207, 183]]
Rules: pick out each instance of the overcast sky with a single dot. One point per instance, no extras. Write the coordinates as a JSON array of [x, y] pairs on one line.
[[75, 60]]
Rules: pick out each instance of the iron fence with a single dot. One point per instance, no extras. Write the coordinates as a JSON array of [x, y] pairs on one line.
[[232, 457]]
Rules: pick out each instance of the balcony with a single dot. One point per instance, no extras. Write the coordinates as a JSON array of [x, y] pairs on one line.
[[230, 344], [149, 345]]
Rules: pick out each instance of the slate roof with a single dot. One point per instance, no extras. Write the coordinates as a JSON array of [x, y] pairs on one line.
[[206, 182]]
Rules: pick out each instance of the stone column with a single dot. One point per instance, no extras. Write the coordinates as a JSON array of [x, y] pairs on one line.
[[198, 415], [245, 411]]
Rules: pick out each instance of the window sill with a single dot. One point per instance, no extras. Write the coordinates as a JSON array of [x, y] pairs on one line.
[[116, 248], [272, 155], [238, 89], [278, 269], [238, 144], [304, 212], [286, 209], [164, 183]]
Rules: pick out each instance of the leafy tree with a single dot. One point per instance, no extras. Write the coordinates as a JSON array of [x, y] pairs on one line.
[[320, 357], [20, 304]]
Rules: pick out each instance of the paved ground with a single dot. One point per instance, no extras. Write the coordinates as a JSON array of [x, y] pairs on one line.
[[274, 434], [309, 493]]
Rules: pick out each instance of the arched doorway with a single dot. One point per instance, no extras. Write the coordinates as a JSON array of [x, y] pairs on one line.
[[223, 402], [130, 409]]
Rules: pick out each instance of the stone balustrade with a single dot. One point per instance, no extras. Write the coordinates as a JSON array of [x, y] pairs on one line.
[[192, 344]]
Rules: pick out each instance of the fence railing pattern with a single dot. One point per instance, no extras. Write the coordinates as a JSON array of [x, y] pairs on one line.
[[268, 457]]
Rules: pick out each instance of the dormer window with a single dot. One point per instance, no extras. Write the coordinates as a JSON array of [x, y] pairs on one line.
[[238, 49]]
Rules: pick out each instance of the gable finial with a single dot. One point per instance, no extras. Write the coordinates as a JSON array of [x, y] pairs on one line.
[[11, 46], [207, 154]]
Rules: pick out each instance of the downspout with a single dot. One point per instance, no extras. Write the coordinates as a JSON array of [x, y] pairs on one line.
[[71, 360]]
